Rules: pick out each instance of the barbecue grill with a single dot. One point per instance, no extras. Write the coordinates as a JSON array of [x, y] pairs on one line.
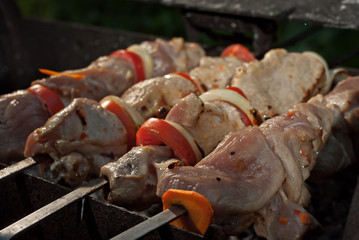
[[29, 43]]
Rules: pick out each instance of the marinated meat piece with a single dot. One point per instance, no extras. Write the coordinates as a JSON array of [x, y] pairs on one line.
[[155, 97], [215, 72], [173, 56], [20, 113], [105, 76], [83, 127], [280, 211], [304, 76], [133, 177], [208, 122], [257, 175]]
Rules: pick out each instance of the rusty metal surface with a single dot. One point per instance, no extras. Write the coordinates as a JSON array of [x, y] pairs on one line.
[[335, 13]]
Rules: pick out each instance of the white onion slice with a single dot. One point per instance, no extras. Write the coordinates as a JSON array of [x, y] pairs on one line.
[[136, 117], [146, 59], [232, 97]]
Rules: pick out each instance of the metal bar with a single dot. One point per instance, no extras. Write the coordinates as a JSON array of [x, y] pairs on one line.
[[36, 217], [20, 166], [151, 224]]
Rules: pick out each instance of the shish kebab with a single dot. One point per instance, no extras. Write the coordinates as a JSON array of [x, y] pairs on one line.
[[228, 179], [155, 96], [64, 165], [25, 110], [68, 198]]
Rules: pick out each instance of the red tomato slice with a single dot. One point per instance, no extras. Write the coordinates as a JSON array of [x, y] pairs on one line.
[[244, 118], [126, 120], [239, 51], [156, 131], [135, 60], [238, 90], [186, 76], [49, 97]]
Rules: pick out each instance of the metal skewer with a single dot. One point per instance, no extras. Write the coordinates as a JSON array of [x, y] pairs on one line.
[[92, 186], [151, 224], [20, 166], [36, 217]]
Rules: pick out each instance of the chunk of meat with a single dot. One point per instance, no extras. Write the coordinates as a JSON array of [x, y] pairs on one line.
[[155, 97], [280, 80], [215, 72], [207, 122], [173, 56], [133, 177], [237, 179], [20, 113], [83, 127], [105, 76]]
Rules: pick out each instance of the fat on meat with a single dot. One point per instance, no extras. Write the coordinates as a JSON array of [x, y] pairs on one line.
[[282, 79], [196, 117], [20, 113], [258, 174], [80, 139]]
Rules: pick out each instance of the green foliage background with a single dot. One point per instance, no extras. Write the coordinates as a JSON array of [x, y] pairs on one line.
[[151, 18]]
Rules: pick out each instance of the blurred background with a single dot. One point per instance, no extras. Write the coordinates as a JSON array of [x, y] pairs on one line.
[[62, 35], [155, 19]]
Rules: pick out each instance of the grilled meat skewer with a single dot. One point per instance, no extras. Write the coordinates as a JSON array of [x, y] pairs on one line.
[[208, 125], [256, 175], [84, 135], [133, 177], [21, 112]]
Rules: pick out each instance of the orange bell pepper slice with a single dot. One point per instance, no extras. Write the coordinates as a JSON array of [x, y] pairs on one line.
[[199, 210]]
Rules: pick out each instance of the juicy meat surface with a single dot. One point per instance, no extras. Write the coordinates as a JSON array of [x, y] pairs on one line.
[[105, 76], [155, 97], [80, 139], [258, 174], [133, 177], [207, 122], [215, 72], [20, 113], [280, 80], [173, 56]]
